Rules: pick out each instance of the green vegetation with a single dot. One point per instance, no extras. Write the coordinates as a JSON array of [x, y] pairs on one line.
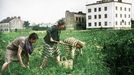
[[103, 51], [26, 24]]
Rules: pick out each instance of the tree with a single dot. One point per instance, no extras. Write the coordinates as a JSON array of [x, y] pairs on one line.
[[132, 23], [0, 39], [26, 24], [38, 28]]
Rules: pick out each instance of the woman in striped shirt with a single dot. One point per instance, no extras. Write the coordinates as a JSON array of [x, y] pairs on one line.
[[73, 45]]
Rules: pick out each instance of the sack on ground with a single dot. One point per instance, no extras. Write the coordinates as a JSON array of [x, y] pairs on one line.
[[68, 64]]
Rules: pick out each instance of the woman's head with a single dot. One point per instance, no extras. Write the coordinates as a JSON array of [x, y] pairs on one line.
[[61, 25], [33, 37], [80, 44]]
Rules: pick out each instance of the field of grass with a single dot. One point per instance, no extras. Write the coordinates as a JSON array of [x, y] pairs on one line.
[[91, 63]]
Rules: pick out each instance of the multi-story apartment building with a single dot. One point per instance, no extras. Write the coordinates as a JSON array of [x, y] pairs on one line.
[[108, 14], [75, 20], [11, 24]]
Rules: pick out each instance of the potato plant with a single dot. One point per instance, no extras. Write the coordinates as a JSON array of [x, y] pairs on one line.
[[100, 54]]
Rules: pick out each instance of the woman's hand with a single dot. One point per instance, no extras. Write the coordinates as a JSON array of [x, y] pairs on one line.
[[22, 65]]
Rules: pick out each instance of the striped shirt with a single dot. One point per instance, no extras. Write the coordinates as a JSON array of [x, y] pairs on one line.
[[73, 41]]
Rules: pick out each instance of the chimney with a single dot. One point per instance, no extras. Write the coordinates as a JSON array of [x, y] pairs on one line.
[[80, 12], [8, 17], [107, 1], [19, 17], [14, 17], [99, 1], [119, 0]]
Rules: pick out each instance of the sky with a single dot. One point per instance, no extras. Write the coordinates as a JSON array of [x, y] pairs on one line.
[[42, 11]]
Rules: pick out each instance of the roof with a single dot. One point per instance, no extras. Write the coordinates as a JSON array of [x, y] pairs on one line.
[[107, 2], [79, 13], [8, 19]]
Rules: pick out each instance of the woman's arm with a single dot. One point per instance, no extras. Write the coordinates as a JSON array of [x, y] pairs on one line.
[[20, 57]]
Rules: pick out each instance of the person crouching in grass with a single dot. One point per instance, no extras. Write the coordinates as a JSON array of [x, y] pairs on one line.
[[73, 45], [19, 48], [51, 40]]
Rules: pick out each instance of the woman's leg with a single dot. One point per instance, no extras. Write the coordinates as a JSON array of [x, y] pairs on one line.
[[4, 66], [44, 63]]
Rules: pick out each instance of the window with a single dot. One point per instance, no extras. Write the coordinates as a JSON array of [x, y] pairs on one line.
[[105, 15], [105, 8], [120, 23], [89, 10], [125, 9], [129, 16], [129, 9], [77, 19], [95, 16], [116, 23], [121, 15], [99, 23], [95, 23], [121, 8], [89, 24], [99, 16], [89, 17], [125, 23], [129, 23], [105, 23], [83, 19], [116, 15], [99, 9], [80, 19], [95, 9], [125, 15], [116, 8]]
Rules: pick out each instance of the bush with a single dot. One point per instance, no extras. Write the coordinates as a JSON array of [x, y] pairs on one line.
[[119, 52], [2, 43]]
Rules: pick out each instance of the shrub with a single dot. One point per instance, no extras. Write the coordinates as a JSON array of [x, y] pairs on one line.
[[2, 43], [119, 52]]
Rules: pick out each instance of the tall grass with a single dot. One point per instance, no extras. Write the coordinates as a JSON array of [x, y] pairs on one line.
[[90, 63]]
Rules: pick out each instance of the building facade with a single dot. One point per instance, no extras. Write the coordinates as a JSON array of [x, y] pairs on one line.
[[75, 20], [11, 24], [109, 14]]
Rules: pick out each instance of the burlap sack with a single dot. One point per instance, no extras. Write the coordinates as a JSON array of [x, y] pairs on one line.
[[68, 64]]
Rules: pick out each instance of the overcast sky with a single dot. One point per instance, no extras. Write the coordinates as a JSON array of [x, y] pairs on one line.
[[42, 10]]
